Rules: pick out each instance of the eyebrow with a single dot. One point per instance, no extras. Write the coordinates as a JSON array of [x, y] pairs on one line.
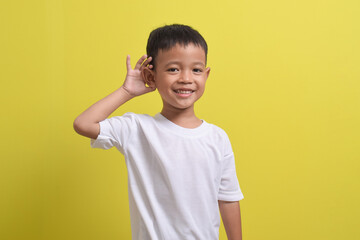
[[178, 62]]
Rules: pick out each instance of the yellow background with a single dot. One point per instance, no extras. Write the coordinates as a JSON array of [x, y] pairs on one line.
[[284, 84]]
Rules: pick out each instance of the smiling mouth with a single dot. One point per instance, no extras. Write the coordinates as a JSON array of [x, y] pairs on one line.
[[184, 91]]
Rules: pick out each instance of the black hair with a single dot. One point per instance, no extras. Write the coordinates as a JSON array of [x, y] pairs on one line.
[[166, 37]]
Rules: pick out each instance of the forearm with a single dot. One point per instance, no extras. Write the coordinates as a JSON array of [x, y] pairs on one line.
[[231, 217], [103, 108], [86, 123]]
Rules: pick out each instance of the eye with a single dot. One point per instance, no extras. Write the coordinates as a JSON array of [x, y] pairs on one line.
[[173, 70], [197, 70]]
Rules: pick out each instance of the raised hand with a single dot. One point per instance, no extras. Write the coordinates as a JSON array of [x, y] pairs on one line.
[[134, 83]]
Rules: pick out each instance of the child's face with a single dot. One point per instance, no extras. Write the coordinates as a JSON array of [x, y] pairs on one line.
[[180, 76]]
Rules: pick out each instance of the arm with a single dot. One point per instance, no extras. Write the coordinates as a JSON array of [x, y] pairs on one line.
[[87, 123], [231, 217]]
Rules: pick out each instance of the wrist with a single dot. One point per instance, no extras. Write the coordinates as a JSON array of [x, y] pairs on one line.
[[126, 92]]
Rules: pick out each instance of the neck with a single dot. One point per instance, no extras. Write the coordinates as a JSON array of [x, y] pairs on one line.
[[183, 117]]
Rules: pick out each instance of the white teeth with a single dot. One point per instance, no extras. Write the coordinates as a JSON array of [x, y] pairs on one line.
[[183, 91]]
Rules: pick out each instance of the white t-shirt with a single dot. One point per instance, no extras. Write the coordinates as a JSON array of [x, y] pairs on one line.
[[176, 175]]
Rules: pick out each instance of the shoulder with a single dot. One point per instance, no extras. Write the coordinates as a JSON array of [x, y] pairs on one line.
[[129, 119], [133, 116], [221, 137], [141, 119], [217, 131]]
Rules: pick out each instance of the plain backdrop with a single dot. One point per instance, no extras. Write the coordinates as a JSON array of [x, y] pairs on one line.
[[284, 85]]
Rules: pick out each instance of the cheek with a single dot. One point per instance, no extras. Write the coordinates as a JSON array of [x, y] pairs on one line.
[[201, 83], [163, 89], [163, 83], [201, 92]]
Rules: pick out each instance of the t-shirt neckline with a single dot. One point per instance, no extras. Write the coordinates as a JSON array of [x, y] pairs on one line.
[[163, 121]]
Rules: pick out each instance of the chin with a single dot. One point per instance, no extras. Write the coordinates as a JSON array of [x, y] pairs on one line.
[[184, 107]]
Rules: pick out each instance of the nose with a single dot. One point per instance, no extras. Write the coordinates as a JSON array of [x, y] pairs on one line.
[[186, 77]]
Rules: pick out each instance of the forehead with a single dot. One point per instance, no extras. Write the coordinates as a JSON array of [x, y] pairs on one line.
[[185, 54]]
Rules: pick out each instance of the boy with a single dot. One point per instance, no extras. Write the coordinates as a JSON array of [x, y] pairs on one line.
[[181, 169]]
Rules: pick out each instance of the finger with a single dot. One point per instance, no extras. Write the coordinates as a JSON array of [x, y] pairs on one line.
[[128, 63], [141, 60], [147, 61], [146, 64]]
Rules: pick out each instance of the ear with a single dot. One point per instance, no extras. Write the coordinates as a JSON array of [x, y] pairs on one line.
[[148, 76], [207, 72]]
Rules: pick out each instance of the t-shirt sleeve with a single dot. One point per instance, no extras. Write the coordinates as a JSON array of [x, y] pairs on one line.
[[229, 184], [114, 132]]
